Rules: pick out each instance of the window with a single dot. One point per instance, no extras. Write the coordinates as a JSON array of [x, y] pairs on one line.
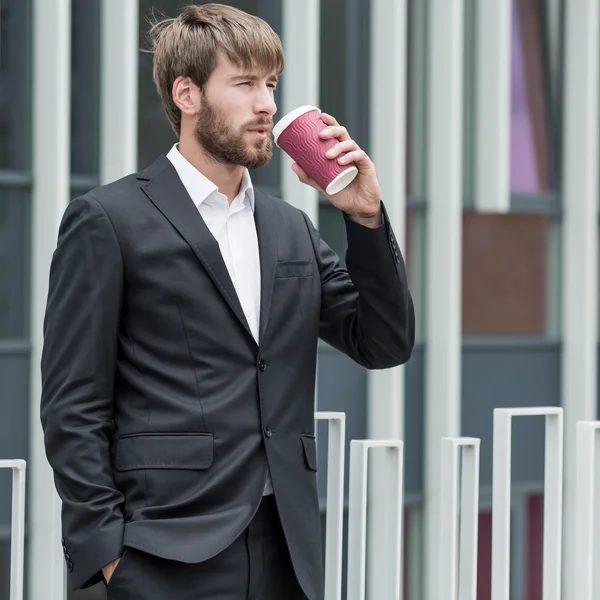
[[85, 87], [13, 263], [535, 120], [14, 108], [535, 100]]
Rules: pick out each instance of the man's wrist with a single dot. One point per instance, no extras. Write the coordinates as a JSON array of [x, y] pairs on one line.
[[372, 220]]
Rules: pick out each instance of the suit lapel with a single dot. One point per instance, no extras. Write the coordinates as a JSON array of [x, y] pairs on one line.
[[267, 247], [168, 194]]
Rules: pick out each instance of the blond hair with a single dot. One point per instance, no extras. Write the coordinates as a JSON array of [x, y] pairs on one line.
[[189, 45]]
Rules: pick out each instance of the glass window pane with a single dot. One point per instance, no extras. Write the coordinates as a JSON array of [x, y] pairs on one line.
[[332, 82], [14, 73], [535, 96], [85, 87], [505, 274], [13, 263], [333, 230], [416, 103]]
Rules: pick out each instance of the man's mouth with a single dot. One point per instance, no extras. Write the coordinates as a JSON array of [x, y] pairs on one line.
[[261, 131]]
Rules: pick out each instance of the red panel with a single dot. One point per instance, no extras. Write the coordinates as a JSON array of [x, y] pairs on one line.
[[535, 546], [484, 558], [504, 274]]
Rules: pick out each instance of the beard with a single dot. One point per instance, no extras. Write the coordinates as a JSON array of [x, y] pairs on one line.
[[227, 146]]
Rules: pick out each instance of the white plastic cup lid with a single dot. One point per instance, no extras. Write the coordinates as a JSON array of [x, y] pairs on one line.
[[288, 119]]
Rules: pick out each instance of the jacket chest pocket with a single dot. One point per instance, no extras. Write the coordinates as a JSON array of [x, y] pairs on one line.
[[294, 269]]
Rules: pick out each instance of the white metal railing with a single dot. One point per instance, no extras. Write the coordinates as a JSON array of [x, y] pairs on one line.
[[458, 559], [393, 464], [17, 532], [588, 511], [457, 576], [334, 525], [501, 503]]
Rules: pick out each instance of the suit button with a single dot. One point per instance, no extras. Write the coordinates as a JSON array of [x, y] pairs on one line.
[[70, 566], [262, 365], [268, 432]]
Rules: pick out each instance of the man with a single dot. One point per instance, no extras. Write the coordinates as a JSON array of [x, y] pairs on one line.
[[181, 339]]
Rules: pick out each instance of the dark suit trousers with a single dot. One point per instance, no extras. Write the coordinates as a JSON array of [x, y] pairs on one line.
[[256, 566]]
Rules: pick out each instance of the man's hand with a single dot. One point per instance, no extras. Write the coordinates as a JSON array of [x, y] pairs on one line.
[[361, 200], [109, 569]]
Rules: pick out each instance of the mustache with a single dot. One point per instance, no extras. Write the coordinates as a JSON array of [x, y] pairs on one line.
[[266, 122]]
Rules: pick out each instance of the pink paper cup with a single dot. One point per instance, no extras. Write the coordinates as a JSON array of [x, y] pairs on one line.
[[297, 134]]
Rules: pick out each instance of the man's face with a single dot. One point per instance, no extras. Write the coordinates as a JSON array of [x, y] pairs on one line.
[[235, 119]]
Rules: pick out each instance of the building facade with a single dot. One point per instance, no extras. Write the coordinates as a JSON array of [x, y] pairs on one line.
[[486, 126]]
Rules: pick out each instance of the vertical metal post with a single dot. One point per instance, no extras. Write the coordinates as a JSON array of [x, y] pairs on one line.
[[334, 525], [458, 559], [119, 89], [587, 509], [492, 78], [444, 260], [391, 551], [501, 506], [17, 531], [387, 148], [300, 85], [51, 172], [579, 395]]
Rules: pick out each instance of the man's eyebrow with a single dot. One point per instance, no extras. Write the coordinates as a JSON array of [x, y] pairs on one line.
[[251, 77]]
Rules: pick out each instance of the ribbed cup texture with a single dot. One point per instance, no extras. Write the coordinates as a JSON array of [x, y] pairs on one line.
[[300, 140]]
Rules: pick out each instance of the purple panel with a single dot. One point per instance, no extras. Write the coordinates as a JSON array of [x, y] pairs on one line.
[[524, 176]]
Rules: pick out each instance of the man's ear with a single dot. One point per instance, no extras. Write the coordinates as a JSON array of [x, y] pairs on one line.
[[186, 95]]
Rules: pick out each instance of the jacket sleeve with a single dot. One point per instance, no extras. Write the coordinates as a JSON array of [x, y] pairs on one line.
[[367, 310], [81, 327]]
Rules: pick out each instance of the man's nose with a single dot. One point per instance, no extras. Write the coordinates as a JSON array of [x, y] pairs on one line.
[[266, 103]]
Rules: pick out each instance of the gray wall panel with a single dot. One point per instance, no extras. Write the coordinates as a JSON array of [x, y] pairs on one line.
[[14, 422], [342, 386], [510, 377]]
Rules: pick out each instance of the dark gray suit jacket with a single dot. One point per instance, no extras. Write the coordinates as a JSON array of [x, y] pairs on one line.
[[160, 411]]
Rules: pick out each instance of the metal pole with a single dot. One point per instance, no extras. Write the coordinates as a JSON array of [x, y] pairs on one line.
[[119, 89], [492, 78], [387, 148], [391, 551], [588, 507], [458, 560], [501, 503], [334, 524], [300, 85], [579, 356], [50, 195], [17, 532], [444, 262]]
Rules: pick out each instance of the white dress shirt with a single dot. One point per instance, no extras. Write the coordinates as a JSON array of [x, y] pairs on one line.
[[233, 226]]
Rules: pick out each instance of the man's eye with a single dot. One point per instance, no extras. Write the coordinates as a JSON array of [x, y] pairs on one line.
[[244, 83], [272, 86]]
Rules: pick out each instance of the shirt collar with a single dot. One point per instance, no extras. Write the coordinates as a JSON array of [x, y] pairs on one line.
[[199, 187]]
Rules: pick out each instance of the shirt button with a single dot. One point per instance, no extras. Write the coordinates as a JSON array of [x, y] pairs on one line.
[[262, 365], [268, 432]]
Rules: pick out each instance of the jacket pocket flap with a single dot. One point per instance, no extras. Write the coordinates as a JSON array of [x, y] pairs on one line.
[[310, 451], [164, 451], [294, 268]]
